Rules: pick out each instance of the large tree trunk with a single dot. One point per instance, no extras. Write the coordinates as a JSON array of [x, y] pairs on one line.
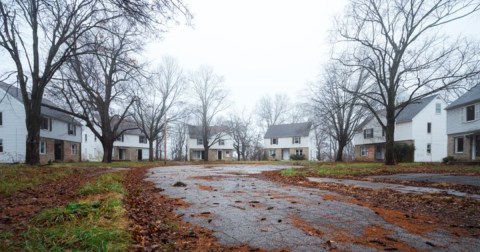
[[32, 156], [206, 152], [150, 151], [389, 137], [107, 152], [341, 146]]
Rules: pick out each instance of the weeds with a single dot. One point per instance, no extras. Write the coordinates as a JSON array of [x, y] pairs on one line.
[[110, 182]]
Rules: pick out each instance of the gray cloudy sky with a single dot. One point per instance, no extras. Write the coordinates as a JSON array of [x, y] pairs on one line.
[[261, 47]]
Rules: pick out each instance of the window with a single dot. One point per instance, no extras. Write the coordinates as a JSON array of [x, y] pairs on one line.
[[142, 139], [296, 140], [459, 145], [429, 149], [72, 129], [74, 149], [199, 141], [272, 152], [95, 138], [273, 140], [299, 152], [438, 108], [429, 127], [85, 138], [43, 147], [367, 133], [46, 124], [363, 151], [120, 138], [221, 142], [1, 119], [471, 113], [1, 145]]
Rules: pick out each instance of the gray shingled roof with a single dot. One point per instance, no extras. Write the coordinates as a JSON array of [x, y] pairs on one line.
[[411, 110], [289, 130], [471, 96], [195, 131], [17, 94]]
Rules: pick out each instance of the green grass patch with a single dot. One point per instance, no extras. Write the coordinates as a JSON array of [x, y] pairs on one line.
[[290, 172], [106, 183], [95, 223], [18, 177]]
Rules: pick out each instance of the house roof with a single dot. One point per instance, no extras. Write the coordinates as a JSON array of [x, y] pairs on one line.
[[406, 115], [17, 94], [471, 96], [195, 131], [289, 130], [412, 109]]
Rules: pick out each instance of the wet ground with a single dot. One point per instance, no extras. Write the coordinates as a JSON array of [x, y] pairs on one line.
[[437, 178], [240, 209]]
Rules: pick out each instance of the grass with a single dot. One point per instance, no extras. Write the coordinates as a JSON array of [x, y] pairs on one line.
[[17, 177], [364, 169], [96, 222]]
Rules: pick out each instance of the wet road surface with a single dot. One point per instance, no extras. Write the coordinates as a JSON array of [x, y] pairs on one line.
[[244, 210]]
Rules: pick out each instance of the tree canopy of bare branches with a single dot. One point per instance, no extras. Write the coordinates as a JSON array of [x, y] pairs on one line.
[[210, 98], [273, 110], [338, 111], [160, 100], [400, 45], [41, 35], [242, 133]]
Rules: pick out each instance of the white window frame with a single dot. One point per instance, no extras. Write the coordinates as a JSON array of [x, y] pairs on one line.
[[49, 123], [71, 129], [455, 142], [274, 141], [363, 151], [221, 142], [272, 152], [44, 144], [297, 140], [438, 108], [476, 113], [199, 141], [299, 152], [368, 133], [1, 145], [120, 138], [74, 149], [142, 139]]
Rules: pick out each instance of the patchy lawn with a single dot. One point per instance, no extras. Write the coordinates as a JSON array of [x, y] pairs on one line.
[[411, 211]]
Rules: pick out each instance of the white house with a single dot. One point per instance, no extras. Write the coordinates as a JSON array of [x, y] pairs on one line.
[[131, 145], [283, 140], [463, 126], [222, 149], [60, 134], [421, 124]]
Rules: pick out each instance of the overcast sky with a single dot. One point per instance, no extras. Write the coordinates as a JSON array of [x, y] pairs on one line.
[[260, 47]]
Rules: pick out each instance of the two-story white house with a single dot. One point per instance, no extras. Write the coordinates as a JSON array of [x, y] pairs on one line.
[[60, 134], [131, 145], [283, 140], [222, 149], [421, 124], [463, 126]]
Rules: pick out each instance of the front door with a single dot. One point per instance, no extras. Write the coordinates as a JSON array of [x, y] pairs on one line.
[[477, 147], [121, 154], [379, 152], [58, 149], [219, 155], [285, 154], [140, 154]]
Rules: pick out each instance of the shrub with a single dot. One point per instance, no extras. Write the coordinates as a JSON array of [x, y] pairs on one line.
[[403, 152], [448, 159], [297, 157]]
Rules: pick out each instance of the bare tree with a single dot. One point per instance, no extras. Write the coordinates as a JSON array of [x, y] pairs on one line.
[[40, 36], [240, 129], [97, 87], [178, 141], [210, 98], [339, 111], [400, 45], [160, 101], [273, 111]]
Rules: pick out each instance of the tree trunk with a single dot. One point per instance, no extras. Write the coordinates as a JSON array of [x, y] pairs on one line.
[[107, 152], [32, 156], [150, 150], [341, 146], [389, 137]]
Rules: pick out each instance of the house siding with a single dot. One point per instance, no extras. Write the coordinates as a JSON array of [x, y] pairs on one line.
[[306, 143]]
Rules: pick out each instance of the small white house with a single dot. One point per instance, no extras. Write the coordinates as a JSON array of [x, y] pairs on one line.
[[131, 145], [222, 149], [60, 134], [421, 124], [283, 140], [463, 126]]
